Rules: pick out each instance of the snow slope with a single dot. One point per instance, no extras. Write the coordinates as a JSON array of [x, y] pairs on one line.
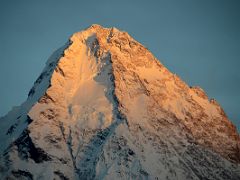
[[105, 108]]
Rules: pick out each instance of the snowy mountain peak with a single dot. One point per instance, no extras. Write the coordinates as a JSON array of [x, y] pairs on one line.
[[105, 108]]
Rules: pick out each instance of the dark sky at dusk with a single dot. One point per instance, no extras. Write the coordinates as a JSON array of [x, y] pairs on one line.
[[199, 40]]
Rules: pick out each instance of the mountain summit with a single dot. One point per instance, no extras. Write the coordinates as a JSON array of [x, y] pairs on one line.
[[105, 108]]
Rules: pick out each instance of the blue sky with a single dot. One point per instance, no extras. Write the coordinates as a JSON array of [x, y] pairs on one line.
[[199, 40]]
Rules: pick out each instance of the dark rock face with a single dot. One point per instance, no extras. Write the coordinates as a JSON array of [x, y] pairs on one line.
[[27, 149], [22, 175]]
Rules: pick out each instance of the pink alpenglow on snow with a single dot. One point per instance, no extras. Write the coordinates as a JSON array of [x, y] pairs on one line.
[[105, 108]]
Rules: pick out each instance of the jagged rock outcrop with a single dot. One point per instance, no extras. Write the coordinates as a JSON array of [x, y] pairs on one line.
[[105, 108]]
